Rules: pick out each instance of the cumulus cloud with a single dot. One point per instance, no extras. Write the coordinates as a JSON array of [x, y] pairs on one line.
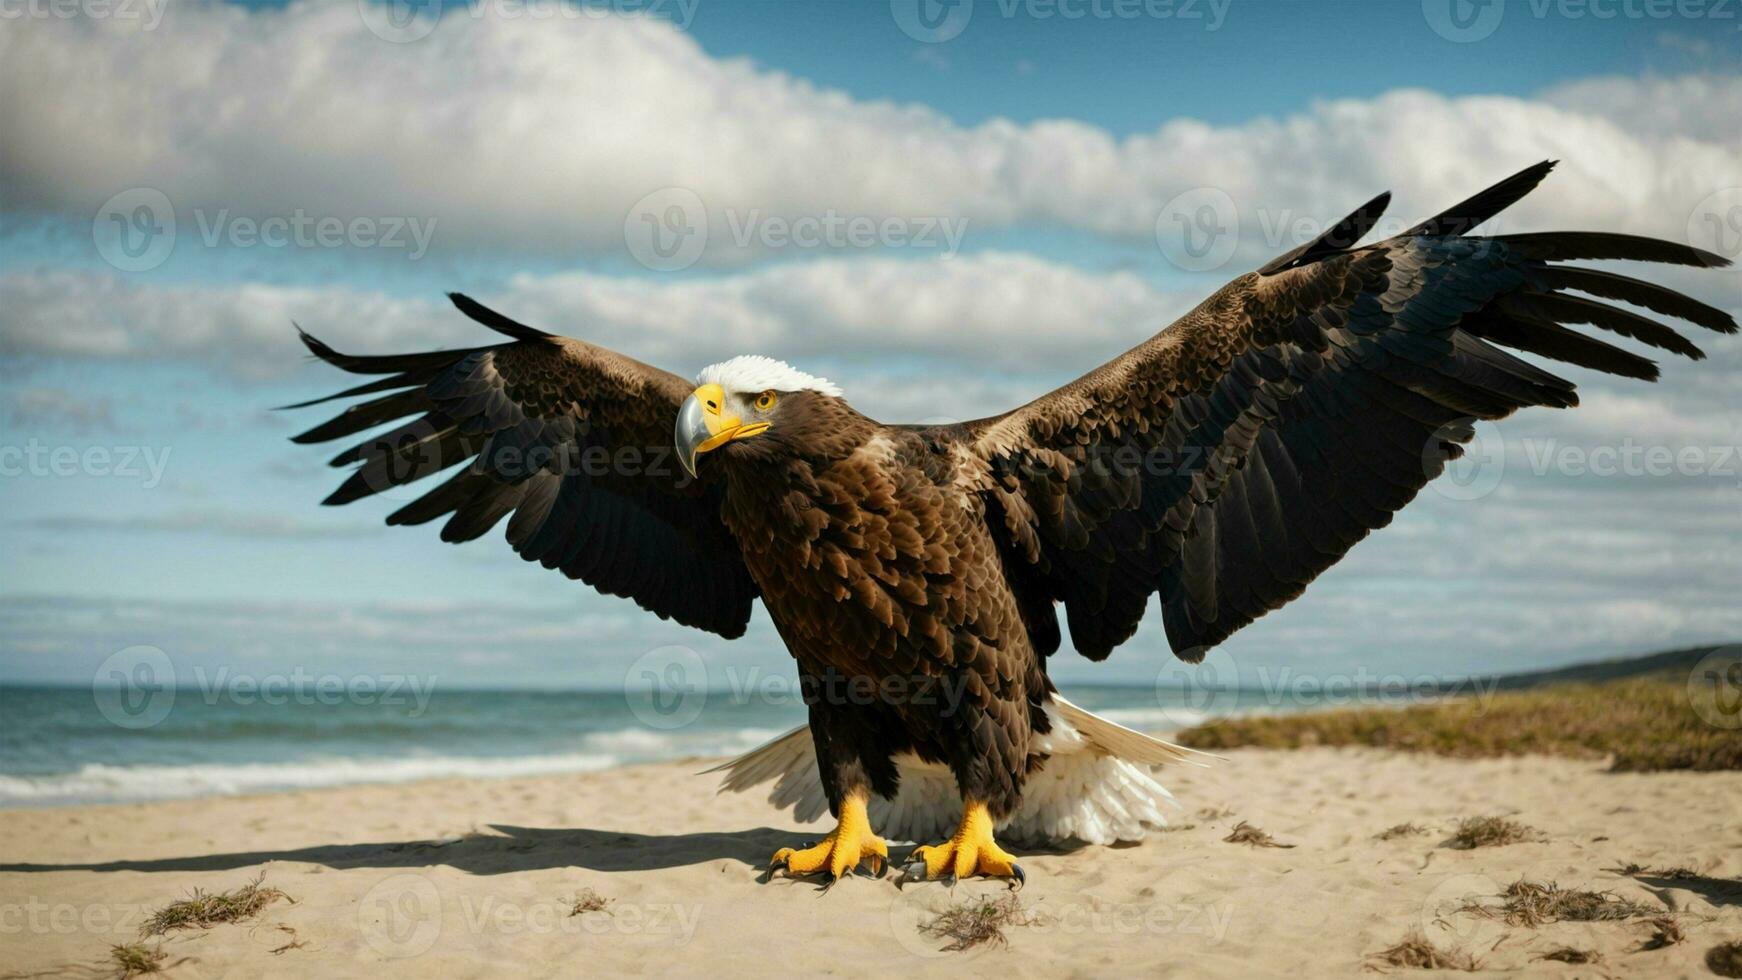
[[543, 135], [1010, 311]]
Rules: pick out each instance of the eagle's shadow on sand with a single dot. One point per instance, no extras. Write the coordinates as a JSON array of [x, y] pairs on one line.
[[504, 850]]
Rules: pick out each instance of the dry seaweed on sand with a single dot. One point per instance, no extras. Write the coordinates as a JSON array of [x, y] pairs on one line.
[[202, 909], [134, 959], [1634, 869], [1665, 932], [1532, 903], [1400, 830], [1573, 955], [1474, 832], [588, 901], [1245, 833], [1415, 952], [1725, 959], [976, 921], [294, 942]]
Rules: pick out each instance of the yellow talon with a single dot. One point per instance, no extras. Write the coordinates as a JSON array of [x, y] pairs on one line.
[[850, 843], [972, 851]]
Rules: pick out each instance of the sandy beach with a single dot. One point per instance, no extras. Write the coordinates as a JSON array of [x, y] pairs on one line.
[[462, 878]]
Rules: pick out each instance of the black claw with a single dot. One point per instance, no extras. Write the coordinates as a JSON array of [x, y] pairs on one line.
[[1018, 879], [882, 869]]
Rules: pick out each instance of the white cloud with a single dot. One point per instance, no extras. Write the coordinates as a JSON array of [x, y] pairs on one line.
[[543, 134], [1008, 311], [1695, 107]]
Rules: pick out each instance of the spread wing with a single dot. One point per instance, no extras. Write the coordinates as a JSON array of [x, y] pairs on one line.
[[1242, 451], [570, 442]]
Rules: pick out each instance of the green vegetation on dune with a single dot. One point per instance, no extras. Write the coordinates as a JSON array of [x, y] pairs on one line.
[[1641, 724]]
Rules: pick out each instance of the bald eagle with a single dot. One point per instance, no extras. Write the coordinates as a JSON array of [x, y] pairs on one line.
[[915, 572]]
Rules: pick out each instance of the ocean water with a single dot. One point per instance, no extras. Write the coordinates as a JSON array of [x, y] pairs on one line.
[[62, 746]]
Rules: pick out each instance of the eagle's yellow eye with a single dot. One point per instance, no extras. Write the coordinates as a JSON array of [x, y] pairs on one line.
[[765, 401]]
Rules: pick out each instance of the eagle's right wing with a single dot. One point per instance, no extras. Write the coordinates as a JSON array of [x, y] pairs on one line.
[[574, 441], [1232, 458]]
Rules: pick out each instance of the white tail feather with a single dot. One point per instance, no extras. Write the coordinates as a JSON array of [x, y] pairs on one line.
[[1095, 786]]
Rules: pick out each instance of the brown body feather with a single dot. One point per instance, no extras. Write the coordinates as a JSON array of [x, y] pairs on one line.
[[915, 572]]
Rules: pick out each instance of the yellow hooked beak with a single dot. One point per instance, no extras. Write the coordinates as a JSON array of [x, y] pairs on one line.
[[703, 424]]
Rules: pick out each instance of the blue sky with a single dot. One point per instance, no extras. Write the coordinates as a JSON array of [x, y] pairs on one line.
[[1056, 143]]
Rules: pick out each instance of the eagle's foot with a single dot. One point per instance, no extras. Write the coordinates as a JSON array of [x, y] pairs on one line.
[[850, 844], [972, 851]]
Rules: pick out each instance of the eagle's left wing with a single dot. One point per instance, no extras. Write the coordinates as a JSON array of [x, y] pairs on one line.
[[1233, 457], [572, 443]]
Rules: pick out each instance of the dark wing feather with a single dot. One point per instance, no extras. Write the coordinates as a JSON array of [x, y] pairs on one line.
[[1232, 458], [569, 441]]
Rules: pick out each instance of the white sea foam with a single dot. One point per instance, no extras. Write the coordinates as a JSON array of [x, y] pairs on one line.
[[103, 783]]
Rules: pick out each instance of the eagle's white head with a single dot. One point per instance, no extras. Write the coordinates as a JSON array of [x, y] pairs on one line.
[[738, 399], [753, 374]]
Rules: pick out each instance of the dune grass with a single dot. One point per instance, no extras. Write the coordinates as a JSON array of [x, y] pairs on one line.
[[1532, 903], [1474, 832], [976, 921], [1400, 831], [203, 909], [1641, 724], [1415, 952], [1245, 833], [1664, 932], [135, 959], [588, 901]]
